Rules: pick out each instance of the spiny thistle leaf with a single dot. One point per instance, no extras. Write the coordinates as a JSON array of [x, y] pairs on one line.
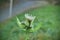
[[36, 28], [19, 23]]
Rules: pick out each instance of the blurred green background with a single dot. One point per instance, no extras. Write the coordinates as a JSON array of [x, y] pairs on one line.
[[50, 30]]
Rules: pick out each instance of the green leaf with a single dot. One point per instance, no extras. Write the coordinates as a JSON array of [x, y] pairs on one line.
[[39, 25], [19, 23]]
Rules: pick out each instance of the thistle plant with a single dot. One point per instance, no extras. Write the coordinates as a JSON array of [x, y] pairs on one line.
[[28, 24]]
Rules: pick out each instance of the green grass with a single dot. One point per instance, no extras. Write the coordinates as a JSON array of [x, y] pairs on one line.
[[48, 15]]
